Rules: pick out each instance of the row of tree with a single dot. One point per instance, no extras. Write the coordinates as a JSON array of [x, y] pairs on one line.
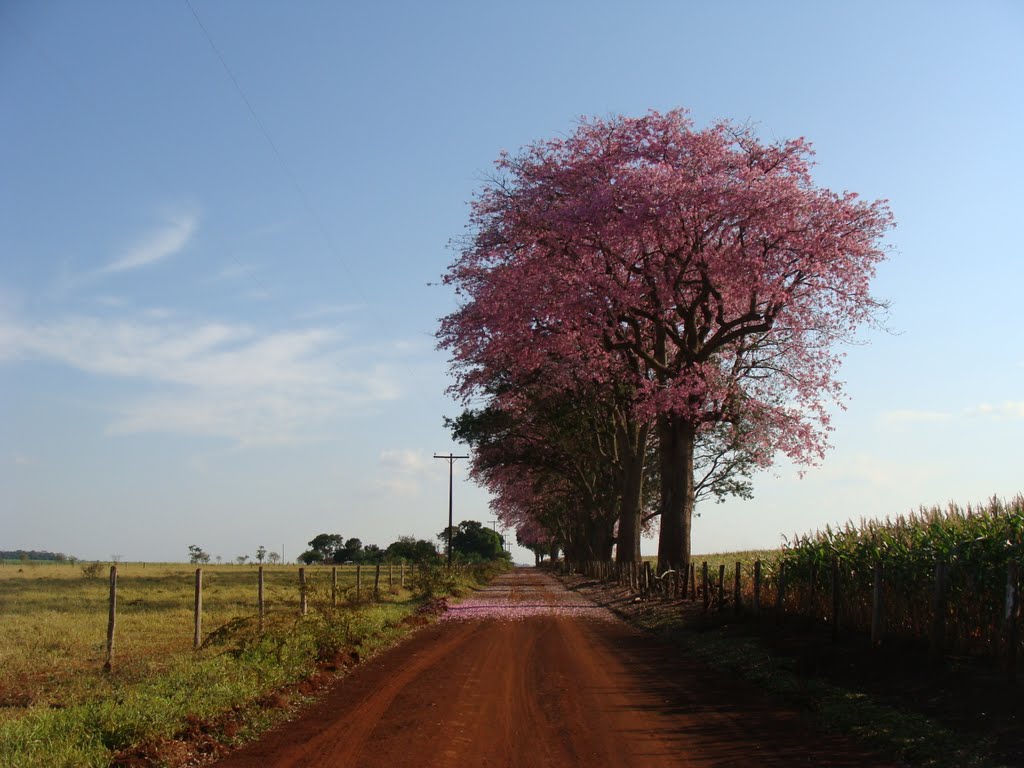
[[334, 548], [648, 313], [27, 555], [470, 542]]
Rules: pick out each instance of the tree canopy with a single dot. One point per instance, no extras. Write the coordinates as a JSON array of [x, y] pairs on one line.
[[698, 278], [472, 542]]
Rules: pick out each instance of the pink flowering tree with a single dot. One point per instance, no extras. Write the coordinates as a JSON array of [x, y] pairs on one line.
[[702, 268], [547, 464]]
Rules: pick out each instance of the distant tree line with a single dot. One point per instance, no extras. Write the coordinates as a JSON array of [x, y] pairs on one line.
[[35, 554], [334, 548], [471, 543]]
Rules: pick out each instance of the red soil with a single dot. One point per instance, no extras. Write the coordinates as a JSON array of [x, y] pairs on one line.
[[543, 678]]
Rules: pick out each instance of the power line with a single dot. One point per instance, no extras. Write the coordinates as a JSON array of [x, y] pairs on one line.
[[115, 127], [451, 465], [331, 246]]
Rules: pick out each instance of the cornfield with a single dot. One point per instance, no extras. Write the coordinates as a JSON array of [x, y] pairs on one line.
[[960, 561]]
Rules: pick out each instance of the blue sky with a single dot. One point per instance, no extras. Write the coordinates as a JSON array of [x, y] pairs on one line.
[[217, 328]]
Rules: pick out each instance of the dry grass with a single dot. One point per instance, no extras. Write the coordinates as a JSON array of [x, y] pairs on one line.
[[53, 633], [59, 708]]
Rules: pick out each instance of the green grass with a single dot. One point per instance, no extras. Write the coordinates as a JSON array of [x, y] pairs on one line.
[[59, 708]]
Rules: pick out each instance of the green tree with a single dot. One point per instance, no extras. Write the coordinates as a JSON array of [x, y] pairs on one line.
[[311, 557], [372, 554], [196, 555], [351, 552], [322, 548], [472, 542], [261, 552], [412, 550]]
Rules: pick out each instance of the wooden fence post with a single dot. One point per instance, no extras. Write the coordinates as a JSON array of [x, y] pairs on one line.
[[648, 577], [704, 576], [780, 593], [302, 591], [111, 619], [721, 587], [810, 591], [259, 597], [376, 583], [736, 588], [876, 605], [403, 575], [938, 634], [197, 633], [757, 587], [693, 581], [359, 580], [685, 580], [1010, 629], [835, 599], [334, 586], [391, 576]]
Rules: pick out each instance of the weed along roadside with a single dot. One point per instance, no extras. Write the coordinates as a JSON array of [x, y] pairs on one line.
[[172, 665]]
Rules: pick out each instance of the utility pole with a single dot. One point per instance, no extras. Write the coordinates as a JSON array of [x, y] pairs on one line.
[[501, 537], [451, 465]]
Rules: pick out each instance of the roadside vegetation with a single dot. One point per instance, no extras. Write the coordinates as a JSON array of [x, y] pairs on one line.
[[935, 685], [163, 702]]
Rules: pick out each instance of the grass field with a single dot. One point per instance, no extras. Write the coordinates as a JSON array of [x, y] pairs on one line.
[[53, 633], [58, 706]]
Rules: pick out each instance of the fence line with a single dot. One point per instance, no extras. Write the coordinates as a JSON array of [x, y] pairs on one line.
[[197, 614], [831, 594]]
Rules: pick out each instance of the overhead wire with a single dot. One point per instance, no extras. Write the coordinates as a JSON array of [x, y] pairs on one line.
[[86, 99], [300, 190]]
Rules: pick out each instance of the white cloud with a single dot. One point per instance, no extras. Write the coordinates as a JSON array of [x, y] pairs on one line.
[[915, 417], [214, 379], [1006, 411], [158, 245], [404, 460], [403, 471]]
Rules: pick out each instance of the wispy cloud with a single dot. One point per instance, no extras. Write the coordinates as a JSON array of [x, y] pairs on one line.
[[214, 379], [404, 470], [404, 460], [1009, 410], [156, 246], [329, 310], [232, 272], [915, 417]]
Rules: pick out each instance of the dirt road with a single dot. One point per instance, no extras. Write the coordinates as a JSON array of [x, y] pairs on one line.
[[528, 674]]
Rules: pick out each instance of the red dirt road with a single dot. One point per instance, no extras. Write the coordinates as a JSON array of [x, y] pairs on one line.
[[528, 674]]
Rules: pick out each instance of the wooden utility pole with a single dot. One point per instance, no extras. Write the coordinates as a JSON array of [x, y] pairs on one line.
[[451, 465]]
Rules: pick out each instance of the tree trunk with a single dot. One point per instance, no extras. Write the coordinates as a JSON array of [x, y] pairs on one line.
[[632, 449], [600, 537], [676, 445]]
